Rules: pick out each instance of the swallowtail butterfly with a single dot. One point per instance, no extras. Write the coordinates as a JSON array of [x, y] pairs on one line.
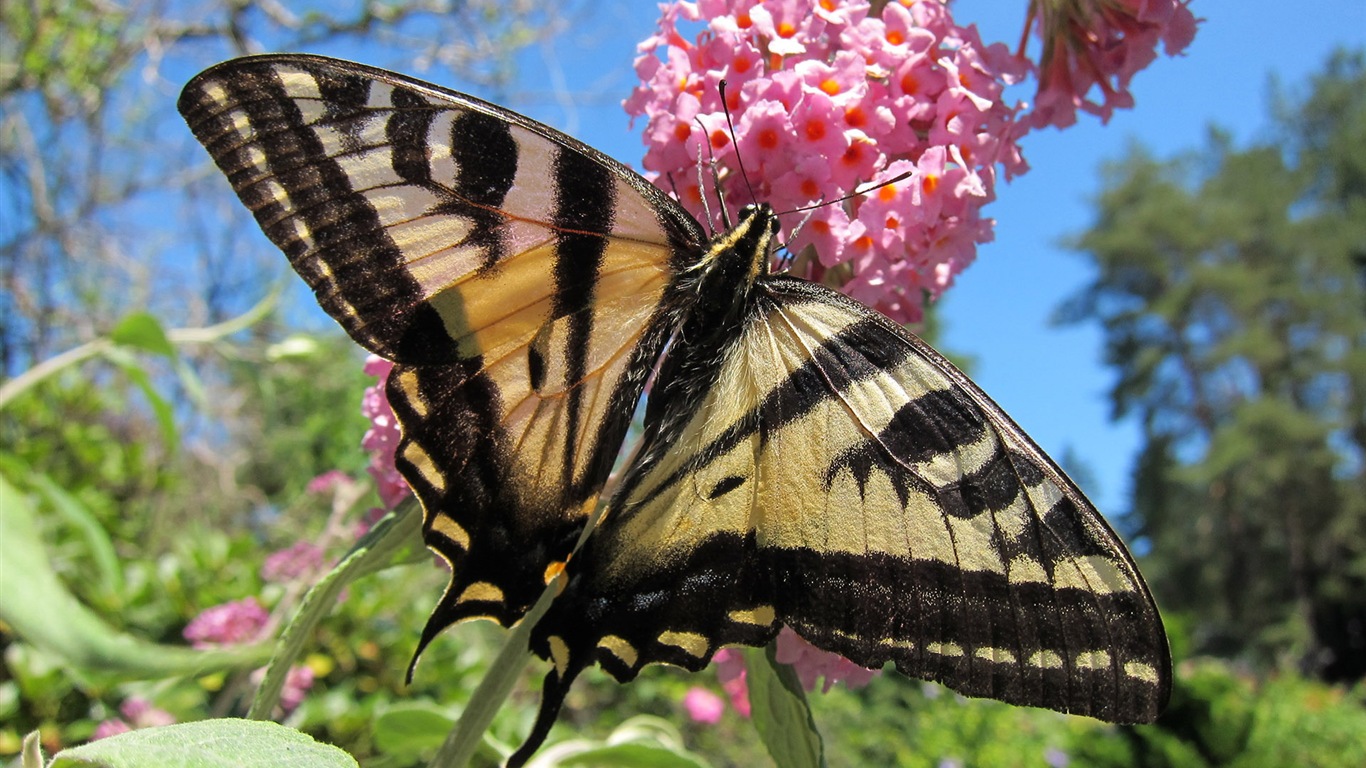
[[805, 461]]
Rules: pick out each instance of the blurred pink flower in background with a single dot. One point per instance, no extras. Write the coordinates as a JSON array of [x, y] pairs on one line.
[[381, 440], [703, 706], [730, 671], [329, 481], [812, 664], [298, 681], [240, 621], [302, 559], [137, 713]]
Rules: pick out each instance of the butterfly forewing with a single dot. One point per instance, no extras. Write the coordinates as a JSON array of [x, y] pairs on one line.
[[516, 277]]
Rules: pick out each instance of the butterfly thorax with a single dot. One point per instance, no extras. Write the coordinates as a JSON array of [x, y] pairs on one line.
[[724, 277], [718, 291]]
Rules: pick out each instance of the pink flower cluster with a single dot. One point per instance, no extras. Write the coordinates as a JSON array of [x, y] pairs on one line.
[[243, 621], [811, 664], [137, 713], [298, 681], [302, 559], [1100, 44], [240, 621], [827, 99], [381, 440]]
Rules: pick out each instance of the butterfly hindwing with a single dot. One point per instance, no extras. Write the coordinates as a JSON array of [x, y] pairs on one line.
[[518, 279], [842, 478]]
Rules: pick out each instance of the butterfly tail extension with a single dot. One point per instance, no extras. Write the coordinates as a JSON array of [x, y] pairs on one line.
[[568, 665]]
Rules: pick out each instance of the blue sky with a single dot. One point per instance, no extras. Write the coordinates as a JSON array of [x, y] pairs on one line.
[[1050, 379]]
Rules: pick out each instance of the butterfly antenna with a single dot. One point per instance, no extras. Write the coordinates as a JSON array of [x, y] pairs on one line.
[[730, 126], [716, 182], [810, 210], [851, 195]]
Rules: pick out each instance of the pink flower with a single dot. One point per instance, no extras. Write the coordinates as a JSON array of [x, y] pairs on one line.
[[828, 99], [232, 623], [328, 481], [1100, 44], [107, 728], [811, 663], [137, 713], [302, 559], [730, 670], [381, 440], [298, 681], [142, 714], [703, 706]]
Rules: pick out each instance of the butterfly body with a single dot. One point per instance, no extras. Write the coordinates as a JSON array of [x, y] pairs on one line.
[[805, 461]]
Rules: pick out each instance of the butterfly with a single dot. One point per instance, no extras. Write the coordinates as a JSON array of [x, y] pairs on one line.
[[804, 461]]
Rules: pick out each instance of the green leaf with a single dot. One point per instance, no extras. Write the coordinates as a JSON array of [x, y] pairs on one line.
[[161, 408], [38, 608], [780, 712], [394, 534], [140, 330], [640, 741], [207, 744], [97, 543], [406, 732], [635, 755]]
